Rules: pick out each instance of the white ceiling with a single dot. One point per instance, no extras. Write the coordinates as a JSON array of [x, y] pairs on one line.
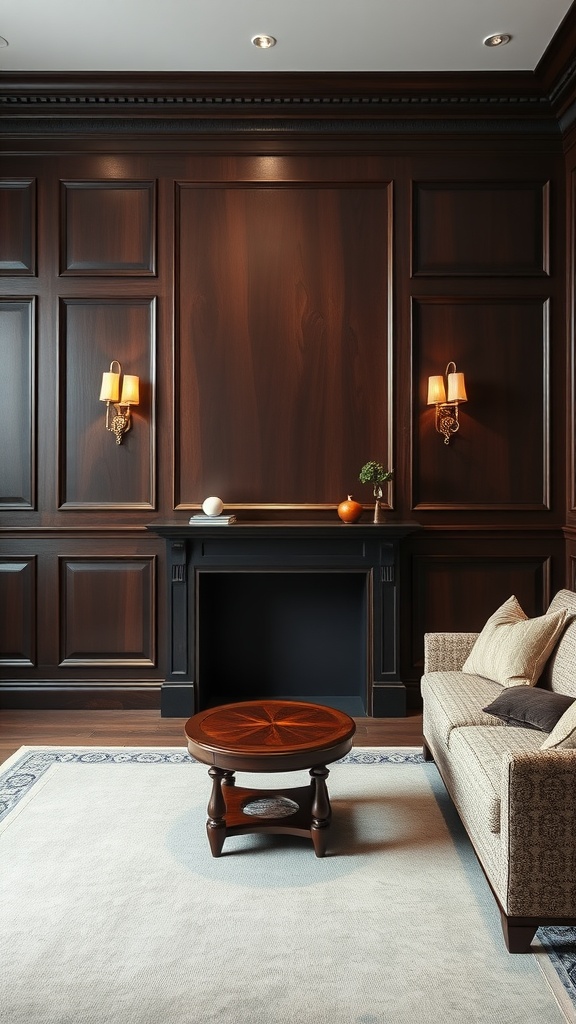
[[313, 35]]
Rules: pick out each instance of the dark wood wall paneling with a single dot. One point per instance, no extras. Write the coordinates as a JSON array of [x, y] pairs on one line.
[[285, 348], [283, 310], [80, 583], [570, 530]]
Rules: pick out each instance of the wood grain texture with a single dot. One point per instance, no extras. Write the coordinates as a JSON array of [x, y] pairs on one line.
[[481, 228], [18, 618], [269, 735], [18, 470], [500, 458], [107, 612], [285, 347], [289, 249], [145, 728], [108, 228], [94, 471], [18, 220]]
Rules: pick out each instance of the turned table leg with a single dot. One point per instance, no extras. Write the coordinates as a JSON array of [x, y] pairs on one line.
[[216, 824], [321, 811]]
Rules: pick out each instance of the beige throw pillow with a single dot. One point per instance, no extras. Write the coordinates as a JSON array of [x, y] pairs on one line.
[[564, 732], [512, 649]]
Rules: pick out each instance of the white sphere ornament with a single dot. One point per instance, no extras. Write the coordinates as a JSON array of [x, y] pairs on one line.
[[212, 506]]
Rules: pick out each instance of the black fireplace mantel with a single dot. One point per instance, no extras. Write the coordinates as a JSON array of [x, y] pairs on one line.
[[370, 551]]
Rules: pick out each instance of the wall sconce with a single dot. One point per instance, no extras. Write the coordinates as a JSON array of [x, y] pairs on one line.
[[447, 397], [110, 393]]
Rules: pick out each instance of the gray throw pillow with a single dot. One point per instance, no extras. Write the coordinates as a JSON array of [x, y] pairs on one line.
[[529, 707]]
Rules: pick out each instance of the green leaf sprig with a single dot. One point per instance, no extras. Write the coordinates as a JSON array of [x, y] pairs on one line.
[[374, 473]]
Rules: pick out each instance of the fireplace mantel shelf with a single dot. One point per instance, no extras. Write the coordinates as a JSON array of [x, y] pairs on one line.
[[322, 588], [286, 528]]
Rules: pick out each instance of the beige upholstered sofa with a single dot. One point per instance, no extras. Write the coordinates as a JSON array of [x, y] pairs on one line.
[[511, 774]]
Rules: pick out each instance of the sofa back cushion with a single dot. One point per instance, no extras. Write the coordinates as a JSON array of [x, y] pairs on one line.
[[513, 649], [560, 671], [563, 735]]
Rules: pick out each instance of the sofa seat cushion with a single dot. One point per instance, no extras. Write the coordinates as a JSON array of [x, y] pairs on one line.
[[477, 753], [452, 699]]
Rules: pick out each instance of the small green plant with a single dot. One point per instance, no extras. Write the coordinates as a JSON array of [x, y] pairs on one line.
[[375, 474]]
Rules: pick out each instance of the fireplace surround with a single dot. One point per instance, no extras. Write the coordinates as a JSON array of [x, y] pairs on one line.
[[303, 611]]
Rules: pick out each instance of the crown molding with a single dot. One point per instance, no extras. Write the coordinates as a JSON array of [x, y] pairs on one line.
[[230, 95], [556, 71]]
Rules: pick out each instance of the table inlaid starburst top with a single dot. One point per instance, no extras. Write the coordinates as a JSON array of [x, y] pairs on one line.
[[269, 725]]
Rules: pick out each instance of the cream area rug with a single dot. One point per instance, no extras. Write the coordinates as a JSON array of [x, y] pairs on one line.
[[113, 911]]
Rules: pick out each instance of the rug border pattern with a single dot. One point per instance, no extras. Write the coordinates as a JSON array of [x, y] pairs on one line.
[[20, 772]]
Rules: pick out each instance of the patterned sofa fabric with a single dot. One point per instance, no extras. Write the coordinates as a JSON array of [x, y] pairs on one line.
[[451, 701], [560, 671], [516, 800]]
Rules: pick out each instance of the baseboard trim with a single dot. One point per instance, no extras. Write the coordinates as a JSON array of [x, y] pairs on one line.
[[79, 699]]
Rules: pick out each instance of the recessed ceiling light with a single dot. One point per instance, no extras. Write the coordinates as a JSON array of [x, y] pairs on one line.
[[500, 39], [263, 42], [3, 42]]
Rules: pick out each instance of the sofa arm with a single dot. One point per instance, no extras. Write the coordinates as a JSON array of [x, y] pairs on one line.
[[447, 652], [538, 829]]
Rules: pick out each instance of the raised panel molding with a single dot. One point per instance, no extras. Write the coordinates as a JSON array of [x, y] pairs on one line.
[[18, 619], [483, 228], [108, 228], [95, 472], [500, 457], [571, 276], [17, 403], [108, 612], [284, 328], [458, 593], [18, 227]]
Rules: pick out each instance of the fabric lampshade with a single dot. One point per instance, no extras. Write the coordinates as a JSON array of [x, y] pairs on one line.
[[436, 390], [110, 390], [131, 390], [456, 388]]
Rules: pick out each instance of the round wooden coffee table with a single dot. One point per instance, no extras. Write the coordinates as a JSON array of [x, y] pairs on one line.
[[269, 736]]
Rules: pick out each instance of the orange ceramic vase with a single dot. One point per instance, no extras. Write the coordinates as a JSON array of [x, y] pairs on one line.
[[350, 510]]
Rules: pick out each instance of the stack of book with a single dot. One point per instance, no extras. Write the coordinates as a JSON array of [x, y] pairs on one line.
[[201, 519]]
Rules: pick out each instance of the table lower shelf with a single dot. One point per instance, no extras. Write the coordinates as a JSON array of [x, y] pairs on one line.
[[304, 811]]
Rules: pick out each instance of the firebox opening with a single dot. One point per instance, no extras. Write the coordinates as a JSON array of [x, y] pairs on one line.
[[283, 635]]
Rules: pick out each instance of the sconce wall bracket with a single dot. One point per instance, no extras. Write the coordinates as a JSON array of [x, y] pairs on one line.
[[120, 423], [447, 422]]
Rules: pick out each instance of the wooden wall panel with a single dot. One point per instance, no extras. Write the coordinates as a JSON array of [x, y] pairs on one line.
[[18, 618], [108, 228], [285, 359], [499, 459], [296, 325], [475, 228], [17, 404], [95, 472], [458, 592], [571, 332], [18, 227], [107, 614], [571, 558]]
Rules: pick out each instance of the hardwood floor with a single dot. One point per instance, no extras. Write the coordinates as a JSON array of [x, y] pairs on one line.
[[145, 728]]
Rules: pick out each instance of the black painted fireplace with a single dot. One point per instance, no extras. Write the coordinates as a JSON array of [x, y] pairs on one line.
[[299, 611], [290, 634]]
